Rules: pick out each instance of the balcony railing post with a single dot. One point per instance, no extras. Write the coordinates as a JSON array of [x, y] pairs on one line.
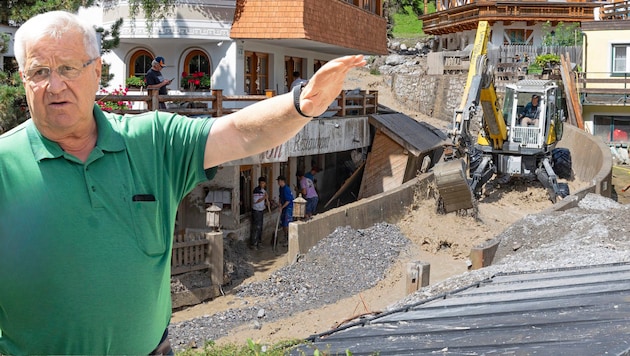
[[217, 103], [153, 102]]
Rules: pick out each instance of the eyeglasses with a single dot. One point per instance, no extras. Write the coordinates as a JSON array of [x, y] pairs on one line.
[[66, 72]]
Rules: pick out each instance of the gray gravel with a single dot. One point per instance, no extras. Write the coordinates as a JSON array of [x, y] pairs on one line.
[[349, 261], [596, 232], [339, 266]]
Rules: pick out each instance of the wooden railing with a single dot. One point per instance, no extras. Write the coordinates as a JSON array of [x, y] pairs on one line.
[[215, 104], [615, 11], [604, 88], [466, 16]]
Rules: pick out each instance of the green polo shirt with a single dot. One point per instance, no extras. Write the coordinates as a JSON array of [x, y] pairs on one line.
[[85, 248]]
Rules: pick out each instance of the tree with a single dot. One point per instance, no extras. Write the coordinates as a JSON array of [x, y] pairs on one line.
[[563, 35]]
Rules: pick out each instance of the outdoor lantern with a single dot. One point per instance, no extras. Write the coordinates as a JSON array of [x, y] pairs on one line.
[[299, 207], [213, 213]]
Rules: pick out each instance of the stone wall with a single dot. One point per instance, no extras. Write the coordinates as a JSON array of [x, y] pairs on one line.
[[432, 95]]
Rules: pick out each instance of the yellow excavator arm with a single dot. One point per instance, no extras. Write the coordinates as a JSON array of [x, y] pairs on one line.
[[480, 91]]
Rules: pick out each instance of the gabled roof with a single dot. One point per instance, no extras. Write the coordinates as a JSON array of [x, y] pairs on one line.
[[566, 311]]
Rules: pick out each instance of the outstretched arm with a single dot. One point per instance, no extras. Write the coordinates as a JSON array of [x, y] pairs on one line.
[[273, 121]]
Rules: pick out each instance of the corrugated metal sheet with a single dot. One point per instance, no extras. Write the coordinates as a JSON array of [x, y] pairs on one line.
[[568, 311]]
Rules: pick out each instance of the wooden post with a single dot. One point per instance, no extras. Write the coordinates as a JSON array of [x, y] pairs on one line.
[[364, 102], [214, 256], [218, 101], [482, 256], [417, 276]]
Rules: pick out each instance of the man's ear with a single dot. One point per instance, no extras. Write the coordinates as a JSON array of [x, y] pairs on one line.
[[98, 68]]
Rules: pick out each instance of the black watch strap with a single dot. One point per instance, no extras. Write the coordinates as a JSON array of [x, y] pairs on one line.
[[297, 90]]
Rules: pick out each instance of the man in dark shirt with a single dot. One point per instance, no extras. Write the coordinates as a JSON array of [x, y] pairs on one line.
[[259, 203], [155, 79], [529, 115]]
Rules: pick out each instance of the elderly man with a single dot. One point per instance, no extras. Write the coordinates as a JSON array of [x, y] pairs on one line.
[[88, 199], [155, 79]]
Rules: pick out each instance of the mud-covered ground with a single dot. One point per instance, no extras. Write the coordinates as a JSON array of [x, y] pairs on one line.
[[354, 272]]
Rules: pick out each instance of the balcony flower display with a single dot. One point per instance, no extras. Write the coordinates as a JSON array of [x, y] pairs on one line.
[[109, 106], [135, 82], [195, 81]]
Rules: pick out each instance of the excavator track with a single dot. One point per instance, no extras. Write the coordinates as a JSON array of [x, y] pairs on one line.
[[452, 185]]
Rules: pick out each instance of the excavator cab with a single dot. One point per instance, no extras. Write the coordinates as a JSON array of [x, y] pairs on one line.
[[529, 138]]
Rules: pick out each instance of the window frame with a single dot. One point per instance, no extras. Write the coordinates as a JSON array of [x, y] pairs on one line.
[[190, 56], [256, 70], [131, 64], [613, 59], [611, 122]]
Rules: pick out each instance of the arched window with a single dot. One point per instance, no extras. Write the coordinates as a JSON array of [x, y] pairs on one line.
[[196, 62], [140, 63]]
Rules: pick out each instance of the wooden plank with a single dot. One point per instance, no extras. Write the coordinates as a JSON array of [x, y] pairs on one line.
[[189, 268], [573, 104], [586, 81], [565, 82], [385, 167], [605, 91], [190, 243]]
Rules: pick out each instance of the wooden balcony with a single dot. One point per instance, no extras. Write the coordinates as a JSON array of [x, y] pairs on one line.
[[215, 104], [616, 11], [604, 88], [466, 17]]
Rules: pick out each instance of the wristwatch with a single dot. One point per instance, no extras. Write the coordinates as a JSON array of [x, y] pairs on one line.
[[297, 90]]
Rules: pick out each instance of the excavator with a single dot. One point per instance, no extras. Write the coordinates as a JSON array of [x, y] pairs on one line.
[[503, 148]]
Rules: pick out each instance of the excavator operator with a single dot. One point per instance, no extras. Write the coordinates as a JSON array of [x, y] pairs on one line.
[[529, 115]]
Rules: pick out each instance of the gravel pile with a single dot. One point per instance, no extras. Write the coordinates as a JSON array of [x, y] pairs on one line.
[[595, 232], [346, 262]]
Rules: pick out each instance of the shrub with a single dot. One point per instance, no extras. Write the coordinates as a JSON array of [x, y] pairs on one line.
[[544, 60], [135, 82]]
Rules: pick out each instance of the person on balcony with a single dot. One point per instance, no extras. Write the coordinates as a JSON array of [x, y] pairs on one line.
[[86, 270], [531, 111], [155, 79]]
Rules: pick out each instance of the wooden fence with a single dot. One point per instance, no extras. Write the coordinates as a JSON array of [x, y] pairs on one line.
[[191, 252], [215, 104]]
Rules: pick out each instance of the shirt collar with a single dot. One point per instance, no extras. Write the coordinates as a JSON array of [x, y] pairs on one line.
[[108, 138]]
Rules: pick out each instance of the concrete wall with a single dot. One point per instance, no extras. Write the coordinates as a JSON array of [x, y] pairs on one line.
[[591, 159], [389, 207]]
